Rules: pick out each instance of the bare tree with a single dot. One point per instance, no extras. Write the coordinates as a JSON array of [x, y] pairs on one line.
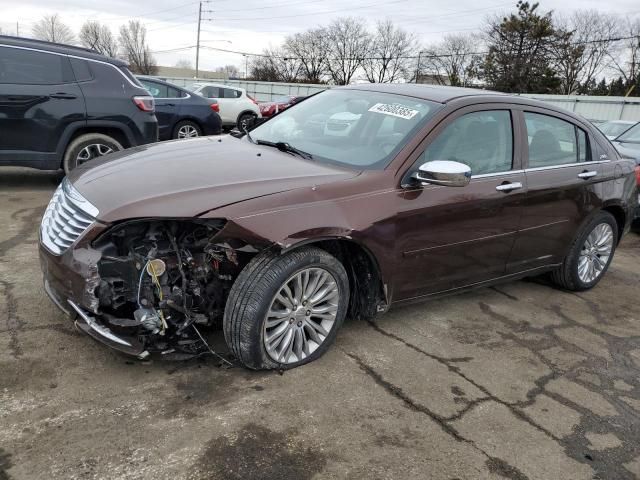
[[133, 42], [583, 48], [230, 71], [348, 45], [388, 59], [452, 61], [310, 48], [98, 37], [184, 63], [626, 61], [51, 29]]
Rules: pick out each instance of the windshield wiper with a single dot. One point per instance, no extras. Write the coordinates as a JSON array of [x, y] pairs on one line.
[[285, 147]]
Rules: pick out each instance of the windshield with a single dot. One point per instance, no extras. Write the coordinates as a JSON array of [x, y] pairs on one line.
[[631, 135], [613, 129], [358, 129]]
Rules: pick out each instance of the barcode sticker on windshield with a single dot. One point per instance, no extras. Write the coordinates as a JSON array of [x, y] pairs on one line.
[[395, 110]]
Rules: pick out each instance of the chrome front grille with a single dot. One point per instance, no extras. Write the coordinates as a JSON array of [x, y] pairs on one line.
[[66, 218]]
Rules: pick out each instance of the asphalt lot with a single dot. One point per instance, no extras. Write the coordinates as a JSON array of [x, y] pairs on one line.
[[520, 381]]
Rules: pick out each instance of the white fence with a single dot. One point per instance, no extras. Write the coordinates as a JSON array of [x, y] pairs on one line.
[[593, 108]]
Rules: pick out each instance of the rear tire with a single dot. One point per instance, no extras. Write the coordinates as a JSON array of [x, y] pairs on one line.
[[186, 129], [574, 273], [87, 147], [246, 120], [248, 317]]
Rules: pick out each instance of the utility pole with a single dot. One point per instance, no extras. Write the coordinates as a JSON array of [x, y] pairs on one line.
[[198, 42]]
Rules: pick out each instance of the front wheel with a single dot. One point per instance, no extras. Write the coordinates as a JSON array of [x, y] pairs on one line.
[[590, 255], [285, 310]]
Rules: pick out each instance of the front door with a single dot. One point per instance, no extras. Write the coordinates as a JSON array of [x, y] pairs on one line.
[[167, 101], [451, 237], [39, 99]]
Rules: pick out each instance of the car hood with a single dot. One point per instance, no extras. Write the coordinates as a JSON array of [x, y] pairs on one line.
[[186, 178], [628, 149]]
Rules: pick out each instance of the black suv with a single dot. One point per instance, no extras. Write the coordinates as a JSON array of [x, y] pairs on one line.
[[61, 105]]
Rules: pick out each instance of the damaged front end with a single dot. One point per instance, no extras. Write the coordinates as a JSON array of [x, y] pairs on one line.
[[151, 285]]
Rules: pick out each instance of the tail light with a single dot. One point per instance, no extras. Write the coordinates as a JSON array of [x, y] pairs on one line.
[[638, 175], [252, 99], [215, 107], [144, 103]]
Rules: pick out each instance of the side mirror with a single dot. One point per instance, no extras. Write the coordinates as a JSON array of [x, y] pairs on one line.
[[444, 172]]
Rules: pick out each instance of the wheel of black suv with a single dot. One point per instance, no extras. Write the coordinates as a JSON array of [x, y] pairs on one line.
[[187, 129], [87, 147], [285, 310], [246, 120], [590, 255]]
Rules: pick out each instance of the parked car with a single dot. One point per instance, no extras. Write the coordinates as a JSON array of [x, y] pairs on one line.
[[180, 113], [615, 128], [269, 109], [61, 106], [236, 107], [280, 234], [628, 144]]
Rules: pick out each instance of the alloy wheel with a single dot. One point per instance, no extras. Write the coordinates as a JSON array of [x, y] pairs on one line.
[[595, 253], [187, 131], [301, 316], [94, 150]]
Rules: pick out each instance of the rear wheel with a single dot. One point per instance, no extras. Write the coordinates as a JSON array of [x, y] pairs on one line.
[[187, 129], [285, 310], [87, 147], [246, 120], [590, 255]]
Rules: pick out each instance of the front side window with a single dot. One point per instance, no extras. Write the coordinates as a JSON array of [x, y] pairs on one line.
[[554, 142], [355, 128], [26, 67], [481, 140]]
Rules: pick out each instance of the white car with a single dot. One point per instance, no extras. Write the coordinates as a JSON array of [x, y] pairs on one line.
[[236, 107]]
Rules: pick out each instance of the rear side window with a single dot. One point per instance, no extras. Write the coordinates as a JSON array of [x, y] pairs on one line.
[[127, 73], [481, 140], [211, 92], [81, 70], [156, 90], [28, 67], [231, 93], [553, 141]]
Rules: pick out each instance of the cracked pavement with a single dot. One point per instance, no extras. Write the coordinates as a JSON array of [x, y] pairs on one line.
[[520, 381]]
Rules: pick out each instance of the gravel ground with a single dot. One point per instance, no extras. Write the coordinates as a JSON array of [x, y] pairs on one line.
[[520, 381]]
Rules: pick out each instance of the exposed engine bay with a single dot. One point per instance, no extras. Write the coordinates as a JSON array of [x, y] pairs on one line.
[[162, 281]]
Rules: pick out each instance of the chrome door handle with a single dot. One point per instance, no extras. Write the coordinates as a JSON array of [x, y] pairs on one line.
[[507, 187], [587, 174]]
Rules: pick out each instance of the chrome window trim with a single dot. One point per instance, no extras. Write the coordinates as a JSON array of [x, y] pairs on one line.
[[74, 56], [172, 98], [566, 165], [497, 174]]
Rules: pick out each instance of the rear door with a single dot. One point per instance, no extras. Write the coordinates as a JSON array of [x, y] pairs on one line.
[[39, 99], [563, 172], [451, 237], [226, 102]]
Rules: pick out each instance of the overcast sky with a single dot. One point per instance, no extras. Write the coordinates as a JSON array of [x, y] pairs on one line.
[[251, 25]]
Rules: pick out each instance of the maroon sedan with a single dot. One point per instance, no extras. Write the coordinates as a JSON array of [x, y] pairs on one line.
[[269, 109], [355, 200]]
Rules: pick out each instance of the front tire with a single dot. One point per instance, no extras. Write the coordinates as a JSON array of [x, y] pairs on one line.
[[590, 255], [87, 147], [285, 310]]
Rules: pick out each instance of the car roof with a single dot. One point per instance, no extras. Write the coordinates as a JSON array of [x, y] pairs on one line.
[[157, 80], [434, 93], [211, 84], [58, 48]]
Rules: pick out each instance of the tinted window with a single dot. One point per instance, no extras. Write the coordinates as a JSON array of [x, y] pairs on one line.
[[81, 69], [173, 93], [156, 90], [231, 93], [482, 140], [553, 141], [211, 92], [33, 68]]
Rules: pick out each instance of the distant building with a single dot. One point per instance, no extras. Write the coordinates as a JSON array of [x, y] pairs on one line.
[[180, 72]]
